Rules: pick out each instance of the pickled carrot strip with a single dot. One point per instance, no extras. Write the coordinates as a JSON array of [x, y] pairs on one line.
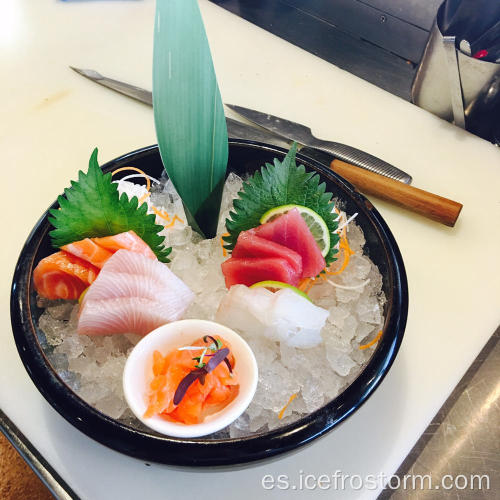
[[123, 169], [143, 198], [282, 412], [161, 213], [224, 251], [374, 341], [347, 251], [176, 218]]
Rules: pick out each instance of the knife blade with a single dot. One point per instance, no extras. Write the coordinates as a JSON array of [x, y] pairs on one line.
[[266, 134], [235, 128], [303, 135]]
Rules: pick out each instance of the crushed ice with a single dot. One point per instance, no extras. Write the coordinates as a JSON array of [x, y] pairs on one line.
[[92, 366]]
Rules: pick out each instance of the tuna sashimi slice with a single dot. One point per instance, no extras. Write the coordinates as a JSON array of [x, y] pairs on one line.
[[251, 245], [132, 294], [126, 241], [63, 276], [247, 271], [291, 230], [88, 250]]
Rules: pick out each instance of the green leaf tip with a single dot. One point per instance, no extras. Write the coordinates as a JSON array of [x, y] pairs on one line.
[[93, 208], [188, 111], [277, 184]]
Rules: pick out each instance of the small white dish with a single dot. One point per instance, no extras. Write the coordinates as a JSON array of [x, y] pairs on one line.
[[138, 374]]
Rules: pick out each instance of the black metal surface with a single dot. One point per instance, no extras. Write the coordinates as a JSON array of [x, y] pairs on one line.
[[382, 46], [245, 156]]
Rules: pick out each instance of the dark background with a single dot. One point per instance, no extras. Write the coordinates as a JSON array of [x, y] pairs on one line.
[[381, 41]]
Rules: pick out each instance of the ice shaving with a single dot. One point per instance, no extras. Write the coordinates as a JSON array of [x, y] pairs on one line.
[[309, 330]]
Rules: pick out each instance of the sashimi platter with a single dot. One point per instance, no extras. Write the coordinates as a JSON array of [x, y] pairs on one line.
[[207, 301]]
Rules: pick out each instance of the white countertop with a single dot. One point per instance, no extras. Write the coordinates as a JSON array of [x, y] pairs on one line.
[[52, 118]]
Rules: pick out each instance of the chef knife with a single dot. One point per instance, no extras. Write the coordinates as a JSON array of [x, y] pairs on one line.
[[238, 129], [303, 135], [234, 127]]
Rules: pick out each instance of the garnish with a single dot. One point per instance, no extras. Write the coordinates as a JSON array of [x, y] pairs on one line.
[[199, 374], [92, 208], [219, 355], [278, 285], [278, 184], [374, 341], [282, 412], [188, 111]]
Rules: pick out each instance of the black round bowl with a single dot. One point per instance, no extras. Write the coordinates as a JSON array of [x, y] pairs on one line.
[[244, 157]]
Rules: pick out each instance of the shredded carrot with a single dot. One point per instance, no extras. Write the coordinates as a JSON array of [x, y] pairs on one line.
[[176, 218], [347, 252], [161, 213], [143, 198], [282, 412], [123, 169], [374, 341], [224, 251]]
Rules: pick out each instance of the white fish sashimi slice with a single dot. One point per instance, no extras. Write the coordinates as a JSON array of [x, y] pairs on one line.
[[245, 309], [125, 261], [297, 321], [132, 294], [283, 316], [122, 315]]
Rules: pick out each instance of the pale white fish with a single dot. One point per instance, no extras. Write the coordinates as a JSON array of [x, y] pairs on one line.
[[283, 316], [132, 294]]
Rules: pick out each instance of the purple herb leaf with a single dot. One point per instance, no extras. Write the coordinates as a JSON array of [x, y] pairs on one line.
[[228, 364], [217, 358], [186, 382]]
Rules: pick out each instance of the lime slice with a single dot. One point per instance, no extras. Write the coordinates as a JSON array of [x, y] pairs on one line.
[[314, 222], [80, 299], [278, 285]]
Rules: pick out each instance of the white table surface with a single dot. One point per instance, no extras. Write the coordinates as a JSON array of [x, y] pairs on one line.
[[52, 119]]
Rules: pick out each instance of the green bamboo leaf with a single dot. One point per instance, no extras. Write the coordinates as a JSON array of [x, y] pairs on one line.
[[189, 115]]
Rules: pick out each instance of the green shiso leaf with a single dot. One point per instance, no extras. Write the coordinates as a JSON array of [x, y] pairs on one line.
[[281, 183], [92, 208], [189, 115]]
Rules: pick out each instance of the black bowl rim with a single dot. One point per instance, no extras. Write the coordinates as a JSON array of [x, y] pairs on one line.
[[204, 452]]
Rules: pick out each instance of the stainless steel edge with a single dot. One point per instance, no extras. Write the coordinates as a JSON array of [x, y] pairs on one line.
[[49, 477], [240, 130], [303, 135], [235, 128], [361, 159]]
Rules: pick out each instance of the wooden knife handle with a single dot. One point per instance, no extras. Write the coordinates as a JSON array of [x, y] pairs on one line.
[[417, 200]]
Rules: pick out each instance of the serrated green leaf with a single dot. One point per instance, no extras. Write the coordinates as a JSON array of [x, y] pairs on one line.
[[281, 183], [189, 115], [92, 208]]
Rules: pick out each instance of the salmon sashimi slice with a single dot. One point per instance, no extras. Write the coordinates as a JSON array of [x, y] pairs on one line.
[[88, 250], [132, 294], [218, 390], [63, 276], [125, 241]]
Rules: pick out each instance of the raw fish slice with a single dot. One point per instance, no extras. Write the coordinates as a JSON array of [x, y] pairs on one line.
[[291, 230], [246, 309], [126, 261], [284, 316], [89, 251], [297, 321], [126, 241], [251, 245], [132, 294], [127, 285], [252, 270], [122, 315], [63, 276]]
